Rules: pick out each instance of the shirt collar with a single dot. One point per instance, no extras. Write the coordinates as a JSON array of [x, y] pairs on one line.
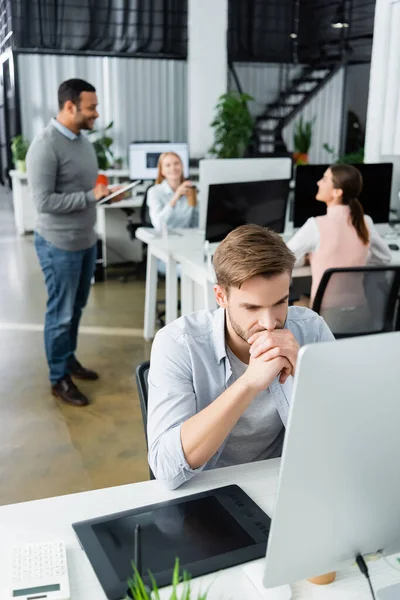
[[64, 130], [167, 188], [219, 334]]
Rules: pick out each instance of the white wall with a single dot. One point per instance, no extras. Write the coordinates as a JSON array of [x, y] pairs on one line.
[[146, 98], [382, 142], [207, 69]]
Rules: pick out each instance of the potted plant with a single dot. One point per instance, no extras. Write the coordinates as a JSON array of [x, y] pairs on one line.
[[233, 125], [102, 146], [302, 140], [349, 159], [139, 591], [19, 149]]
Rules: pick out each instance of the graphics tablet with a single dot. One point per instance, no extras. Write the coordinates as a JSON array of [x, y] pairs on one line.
[[208, 531]]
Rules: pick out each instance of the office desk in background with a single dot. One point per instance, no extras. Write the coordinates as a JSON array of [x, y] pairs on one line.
[[197, 276], [51, 519], [24, 208], [111, 224]]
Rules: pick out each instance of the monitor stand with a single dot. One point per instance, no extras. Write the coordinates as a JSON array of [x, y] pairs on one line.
[[255, 572], [389, 593]]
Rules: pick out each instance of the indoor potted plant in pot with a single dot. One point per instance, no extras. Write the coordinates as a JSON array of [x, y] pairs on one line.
[[19, 150], [233, 126], [302, 139], [102, 146]]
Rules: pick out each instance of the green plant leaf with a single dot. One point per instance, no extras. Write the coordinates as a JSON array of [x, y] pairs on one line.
[[233, 125]]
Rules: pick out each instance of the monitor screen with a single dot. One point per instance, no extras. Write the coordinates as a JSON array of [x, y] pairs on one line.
[[375, 195], [143, 158], [233, 204]]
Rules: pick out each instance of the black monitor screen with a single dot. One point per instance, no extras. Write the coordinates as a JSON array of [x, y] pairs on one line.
[[193, 530], [375, 195], [233, 204]]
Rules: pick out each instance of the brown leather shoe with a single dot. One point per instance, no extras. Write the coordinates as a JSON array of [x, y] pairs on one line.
[[79, 372], [66, 390]]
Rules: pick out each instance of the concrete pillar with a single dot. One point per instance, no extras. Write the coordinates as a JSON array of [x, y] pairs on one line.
[[384, 77], [207, 64]]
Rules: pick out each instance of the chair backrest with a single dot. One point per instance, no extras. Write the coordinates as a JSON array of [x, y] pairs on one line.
[[144, 211], [142, 375], [359, 300]]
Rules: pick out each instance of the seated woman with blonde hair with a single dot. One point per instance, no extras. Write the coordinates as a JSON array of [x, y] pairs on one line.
[[171, 201], [344, 237]]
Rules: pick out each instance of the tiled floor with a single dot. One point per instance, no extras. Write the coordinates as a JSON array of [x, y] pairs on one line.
[[48, 448]]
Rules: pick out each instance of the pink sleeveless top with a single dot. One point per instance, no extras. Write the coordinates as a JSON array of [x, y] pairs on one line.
[[339, 246]]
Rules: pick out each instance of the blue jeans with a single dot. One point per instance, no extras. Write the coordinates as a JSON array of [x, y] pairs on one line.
[[68, 278]]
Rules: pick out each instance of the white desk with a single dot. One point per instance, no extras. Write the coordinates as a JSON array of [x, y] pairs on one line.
[[165, 249], [51, 519], [24, 208], [111, 225], [188, 251]]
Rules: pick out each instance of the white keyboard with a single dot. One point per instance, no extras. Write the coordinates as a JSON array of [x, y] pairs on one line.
[[39, 572]]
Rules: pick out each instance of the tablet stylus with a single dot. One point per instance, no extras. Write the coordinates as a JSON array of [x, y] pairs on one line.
[[137, 550]]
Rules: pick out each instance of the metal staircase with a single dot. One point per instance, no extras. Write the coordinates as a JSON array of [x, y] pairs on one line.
[[268, 129]]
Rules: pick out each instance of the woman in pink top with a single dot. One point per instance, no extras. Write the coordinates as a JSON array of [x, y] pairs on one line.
[[344, 237]]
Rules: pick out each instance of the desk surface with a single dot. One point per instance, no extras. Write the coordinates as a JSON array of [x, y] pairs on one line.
[[189, 247], [51, 519]]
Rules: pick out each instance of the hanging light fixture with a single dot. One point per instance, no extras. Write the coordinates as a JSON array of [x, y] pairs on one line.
[[340, 20]]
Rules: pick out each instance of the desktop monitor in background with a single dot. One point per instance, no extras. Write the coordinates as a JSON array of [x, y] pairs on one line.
[[375, 196], [143, 158], [233, 204]]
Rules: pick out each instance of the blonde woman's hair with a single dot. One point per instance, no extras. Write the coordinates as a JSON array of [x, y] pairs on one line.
[[251, 250], [161, 158]]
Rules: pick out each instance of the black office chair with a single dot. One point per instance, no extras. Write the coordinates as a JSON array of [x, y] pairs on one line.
[[359, 300], [142, 374]]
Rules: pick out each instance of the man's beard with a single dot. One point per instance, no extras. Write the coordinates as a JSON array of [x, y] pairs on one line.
[[243, 333]]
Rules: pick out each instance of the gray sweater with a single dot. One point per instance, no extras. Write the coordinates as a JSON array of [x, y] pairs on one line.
[[62, 174]]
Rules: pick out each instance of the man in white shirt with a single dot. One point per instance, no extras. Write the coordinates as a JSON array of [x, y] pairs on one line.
[[220, 381]]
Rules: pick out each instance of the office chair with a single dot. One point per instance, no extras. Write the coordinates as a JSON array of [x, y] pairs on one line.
[[358, 301], [142, 374]]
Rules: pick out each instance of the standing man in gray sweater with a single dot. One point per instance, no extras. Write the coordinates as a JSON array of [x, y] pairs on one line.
[[62, 172]]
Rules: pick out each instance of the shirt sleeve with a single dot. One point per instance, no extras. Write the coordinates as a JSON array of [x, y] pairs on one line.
[[324, 333], [379, 252], [42, 165], [171, 402], [304, 241], [160, 209]]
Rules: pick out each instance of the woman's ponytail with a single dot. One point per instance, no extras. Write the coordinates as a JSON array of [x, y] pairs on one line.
[[348, 179], [358, 221]]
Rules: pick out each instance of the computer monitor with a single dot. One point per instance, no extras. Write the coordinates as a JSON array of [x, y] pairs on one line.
[[143, 158], [375, 195], [339, 486], [233, 204]]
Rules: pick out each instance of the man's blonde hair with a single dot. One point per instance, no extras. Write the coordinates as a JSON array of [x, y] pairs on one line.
[[251, 250]]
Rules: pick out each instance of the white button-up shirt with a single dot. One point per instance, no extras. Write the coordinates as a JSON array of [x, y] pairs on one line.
[[189, 369], [159, 202]]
